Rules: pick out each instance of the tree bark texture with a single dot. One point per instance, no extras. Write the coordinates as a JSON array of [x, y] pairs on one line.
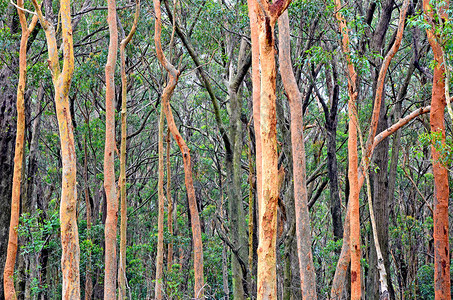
[[170, 205], [353, 175], [262, 22], [266, 17], [256, 86], [441, 188], [70, 258], [8, 272], [111, 220], [233, 156], [8, 113], [267, 281], [160, 219]]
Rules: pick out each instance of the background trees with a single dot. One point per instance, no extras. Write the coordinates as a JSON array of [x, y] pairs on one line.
[[216, 108]]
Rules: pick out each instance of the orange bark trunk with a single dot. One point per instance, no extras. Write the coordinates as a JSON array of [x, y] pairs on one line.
[[70, 257], [10, 292], [170, 206], [267, 281], [160, 219], [109, 158], [441, 188], [345, 256], [353, 174], [256, 93], [262, 23]]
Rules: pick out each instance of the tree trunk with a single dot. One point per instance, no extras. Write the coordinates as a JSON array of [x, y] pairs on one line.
[[332, 165], [256, 92], [441, 188], [173, 75], [372, 141], [225, 264], [353, 174], [396, 145], [303, 229], [267, 288], [381, 211], [170, 205], [109, 158], [70, 258], [266, 17], [251, 224], [122, 180], [7, 136], [256, 126], [89, 266], [160, 220], [234, 175], [8, 272]]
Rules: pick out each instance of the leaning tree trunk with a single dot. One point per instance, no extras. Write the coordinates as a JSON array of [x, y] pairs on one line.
[[8, 272], [441, 188], [70, 257], [303, 229], [173, 75]]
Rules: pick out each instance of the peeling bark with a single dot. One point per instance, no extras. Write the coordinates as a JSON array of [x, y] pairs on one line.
[[262, 21], [70, 258], [441, 187]]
